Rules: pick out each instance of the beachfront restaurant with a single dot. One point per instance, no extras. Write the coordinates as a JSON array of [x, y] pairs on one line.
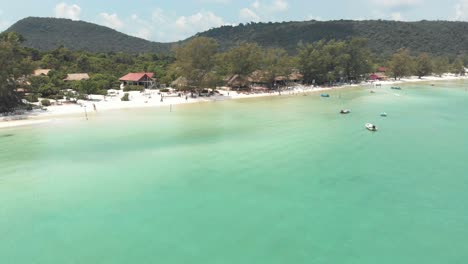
[[144, 79]]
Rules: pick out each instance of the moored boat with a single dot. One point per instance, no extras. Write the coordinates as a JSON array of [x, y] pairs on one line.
[[396, 88], [345, 111], [325, 95], [371, 127], [383, 114]]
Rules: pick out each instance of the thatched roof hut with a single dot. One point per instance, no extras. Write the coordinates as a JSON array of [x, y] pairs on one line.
[[180, 82], [296, 77], [77, 77], [258, 77], [281, 79]]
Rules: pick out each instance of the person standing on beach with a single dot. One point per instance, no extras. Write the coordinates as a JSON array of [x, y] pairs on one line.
[[94, 106]]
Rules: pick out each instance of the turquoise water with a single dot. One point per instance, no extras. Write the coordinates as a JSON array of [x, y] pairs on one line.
[[272, 180]]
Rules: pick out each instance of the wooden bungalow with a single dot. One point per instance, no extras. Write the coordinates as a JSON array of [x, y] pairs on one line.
[[144, 79], [76, 77]]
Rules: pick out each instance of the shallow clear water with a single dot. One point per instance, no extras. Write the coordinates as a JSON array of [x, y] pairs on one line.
[[271, 180]]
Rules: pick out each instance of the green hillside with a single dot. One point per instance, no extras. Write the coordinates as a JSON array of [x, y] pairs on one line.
[[49, 33], [385, 37]]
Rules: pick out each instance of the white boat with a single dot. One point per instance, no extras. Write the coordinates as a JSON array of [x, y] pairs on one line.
[[371, 127], [345, 111]]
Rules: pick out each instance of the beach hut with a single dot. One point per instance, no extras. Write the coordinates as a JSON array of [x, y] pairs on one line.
[[281, 80], [144, 79], [180, 83], [296, 77], [76, 77], [258, 78]]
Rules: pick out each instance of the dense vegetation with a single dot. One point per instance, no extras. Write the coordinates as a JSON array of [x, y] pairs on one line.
[[17, 64], [385, 37], [46, 34], [203, 64], [14, 63], [321, 63]]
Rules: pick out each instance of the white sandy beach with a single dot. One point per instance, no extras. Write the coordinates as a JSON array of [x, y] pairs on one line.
[[151, 98]]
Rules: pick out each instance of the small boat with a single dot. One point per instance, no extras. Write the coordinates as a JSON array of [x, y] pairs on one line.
[[396, 88], [372, 91], [325, 95], [345, 111], [371, 127], [383, 114]]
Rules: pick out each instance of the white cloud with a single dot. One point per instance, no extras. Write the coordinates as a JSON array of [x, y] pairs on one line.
[[270, 6], [280, 5], [144, 33], [312, 17], [160, 17], [200, 21], [3, 23], [263, 10], [397, 4], [393, 9], [247, 15], [461, 10], [63, 10], [256, 4], [215, 1], [164, 26], [396, 16], [111, 20], [140, 28]]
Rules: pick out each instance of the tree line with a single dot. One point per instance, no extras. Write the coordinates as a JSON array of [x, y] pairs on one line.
[[201, 62], [320, 63]]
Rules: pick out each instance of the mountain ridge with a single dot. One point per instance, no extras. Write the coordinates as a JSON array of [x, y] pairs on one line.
[[385, 36], [49, 33]]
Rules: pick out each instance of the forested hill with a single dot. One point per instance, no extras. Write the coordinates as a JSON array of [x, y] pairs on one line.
[[385, 37], [49, 33]]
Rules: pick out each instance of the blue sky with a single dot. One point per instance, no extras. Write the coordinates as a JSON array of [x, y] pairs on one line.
[[176, 19]]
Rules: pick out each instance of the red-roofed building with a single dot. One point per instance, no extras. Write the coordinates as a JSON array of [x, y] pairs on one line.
[[379, 76], [139, 78], [381, 69]]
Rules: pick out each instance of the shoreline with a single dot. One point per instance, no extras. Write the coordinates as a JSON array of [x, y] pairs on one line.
[[150, 99]]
